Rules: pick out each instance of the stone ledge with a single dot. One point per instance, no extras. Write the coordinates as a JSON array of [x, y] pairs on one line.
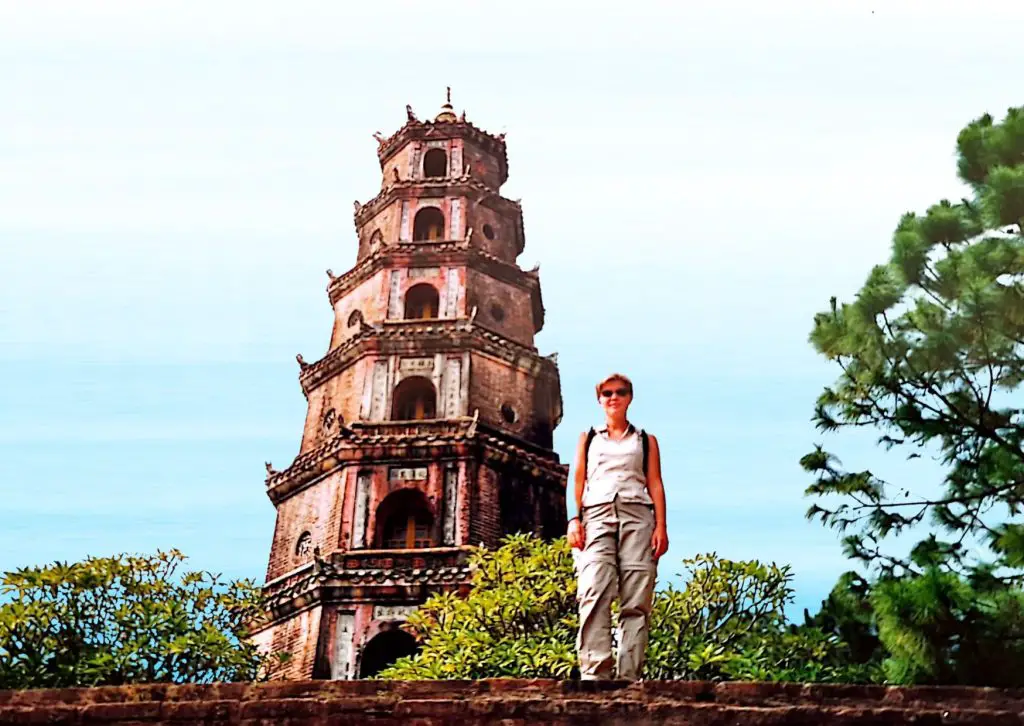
[[513, 701]]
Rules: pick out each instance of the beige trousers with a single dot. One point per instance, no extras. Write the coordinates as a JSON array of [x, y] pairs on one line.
[[616, 562]]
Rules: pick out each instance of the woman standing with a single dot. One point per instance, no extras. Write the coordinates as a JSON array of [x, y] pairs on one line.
[[621, 533]]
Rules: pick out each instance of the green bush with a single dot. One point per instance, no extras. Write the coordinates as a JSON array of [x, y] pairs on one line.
[[124, 619], [520, 620]]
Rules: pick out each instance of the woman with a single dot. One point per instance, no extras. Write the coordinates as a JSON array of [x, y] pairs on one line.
[[621, 534]]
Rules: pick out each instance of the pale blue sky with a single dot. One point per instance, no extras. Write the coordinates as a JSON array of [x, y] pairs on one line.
[[697, 179]]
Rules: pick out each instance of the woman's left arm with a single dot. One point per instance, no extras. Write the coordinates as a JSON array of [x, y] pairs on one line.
[[656, 488]]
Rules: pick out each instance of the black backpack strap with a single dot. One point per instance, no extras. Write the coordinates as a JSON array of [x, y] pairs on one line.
[[646, 442], [586, 449]]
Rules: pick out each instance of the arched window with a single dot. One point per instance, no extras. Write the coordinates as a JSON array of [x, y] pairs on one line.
[[435, 163], [376, 239], [414, 400], [404, 521], [421, 302], [428, 224], [384, 649]]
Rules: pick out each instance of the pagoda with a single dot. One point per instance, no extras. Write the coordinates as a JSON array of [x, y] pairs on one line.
[[430, 418]]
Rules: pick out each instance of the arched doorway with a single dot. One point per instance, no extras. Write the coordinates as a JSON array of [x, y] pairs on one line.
[[414, 400], [421, 302], [384, 649], [428, 224], [435, 163], [404, 521]]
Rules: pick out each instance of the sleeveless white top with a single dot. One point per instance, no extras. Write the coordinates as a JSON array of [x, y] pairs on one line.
[[616, 469]]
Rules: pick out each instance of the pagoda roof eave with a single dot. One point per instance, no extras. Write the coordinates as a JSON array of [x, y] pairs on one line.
[[405, 253], [457, 333], [441, 186], [358, 576], [364, 441]]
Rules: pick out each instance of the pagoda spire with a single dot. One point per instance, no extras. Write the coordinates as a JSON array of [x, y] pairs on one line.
[[447, 111]]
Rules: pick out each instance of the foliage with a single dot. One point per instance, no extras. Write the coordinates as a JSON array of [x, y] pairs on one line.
[[696, 630], [519, 620], [799, 654], [930, 353], [938, 628], [932, 628], [729, 623], [124, 619], [847, 614]]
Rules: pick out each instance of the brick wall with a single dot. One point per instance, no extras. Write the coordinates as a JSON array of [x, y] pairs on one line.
[[344, 393], [512, 703], [502, 242], [401, 162], [494, 383], [317, 510], [370, 298], [501, 307], [298, 635], [387, 221], [483, 165]]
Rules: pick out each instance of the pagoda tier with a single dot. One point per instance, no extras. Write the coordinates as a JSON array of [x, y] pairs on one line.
[[450, 254]]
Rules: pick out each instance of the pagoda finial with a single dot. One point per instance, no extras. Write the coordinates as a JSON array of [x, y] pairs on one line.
[[447, 112]]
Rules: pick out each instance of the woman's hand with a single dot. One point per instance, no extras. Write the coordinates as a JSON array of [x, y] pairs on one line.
[[659, 541], [575, 534]]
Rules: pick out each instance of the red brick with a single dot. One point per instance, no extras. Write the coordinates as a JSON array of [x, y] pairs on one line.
[[224, 711], [291, 708], [57, 714], [120, 712]]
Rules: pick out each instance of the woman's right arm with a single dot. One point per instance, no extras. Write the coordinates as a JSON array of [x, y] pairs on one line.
[[574, 532], [581, 474]]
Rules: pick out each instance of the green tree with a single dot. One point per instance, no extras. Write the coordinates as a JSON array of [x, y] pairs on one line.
[[930, 356], [847, 614], [520, 620], [124, 619], [939, 628], [930, 628]]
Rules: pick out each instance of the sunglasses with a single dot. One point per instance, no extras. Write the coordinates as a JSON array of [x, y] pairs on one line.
[[620, 392]]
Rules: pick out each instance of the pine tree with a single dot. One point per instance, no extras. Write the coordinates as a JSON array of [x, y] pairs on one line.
[[930, 353]]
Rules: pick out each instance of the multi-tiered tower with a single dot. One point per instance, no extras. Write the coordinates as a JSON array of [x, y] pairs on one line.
[[431, 416]]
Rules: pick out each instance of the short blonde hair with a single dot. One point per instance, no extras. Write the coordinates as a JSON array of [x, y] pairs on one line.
[[615, 377]]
